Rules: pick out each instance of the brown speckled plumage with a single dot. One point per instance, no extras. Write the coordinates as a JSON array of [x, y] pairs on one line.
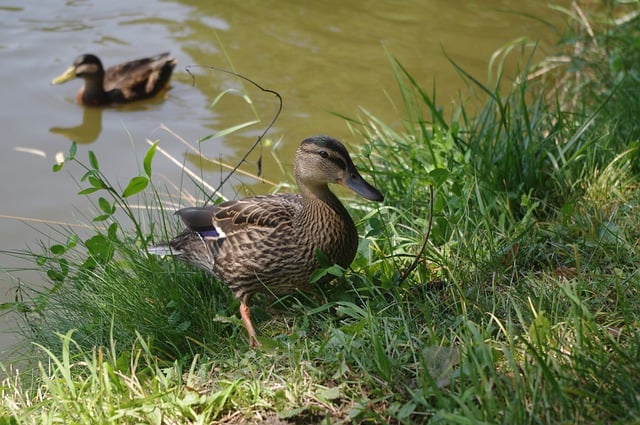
[[269, 243], [123, 83]]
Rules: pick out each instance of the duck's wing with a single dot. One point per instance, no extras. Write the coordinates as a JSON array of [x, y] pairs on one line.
[[140, 78], [260, 212]]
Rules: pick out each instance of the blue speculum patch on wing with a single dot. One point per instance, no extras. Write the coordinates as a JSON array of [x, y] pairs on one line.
[[213, 233]]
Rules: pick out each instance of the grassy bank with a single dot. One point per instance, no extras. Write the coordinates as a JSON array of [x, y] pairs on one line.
[[497, 283]]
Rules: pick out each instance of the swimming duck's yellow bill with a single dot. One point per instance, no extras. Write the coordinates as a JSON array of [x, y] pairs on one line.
[[69, 74]]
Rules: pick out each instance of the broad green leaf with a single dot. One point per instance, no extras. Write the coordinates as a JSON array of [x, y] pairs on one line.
[[290, 413], [136, 185], [55, 275], [332, 393], [406, 410], [72, 241], [93, 160], [112, 231], [148, 158], [441, 362], [105, 206], [181, 327], [88, 190], [351, 310], [97, 183], [100, 248], [58, 249], [540, 330], [101, 217], [439, 176], [90, 173], [5, 307], [64, 266], [72, 151]]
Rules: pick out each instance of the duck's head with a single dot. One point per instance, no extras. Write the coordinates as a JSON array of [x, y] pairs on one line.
[[321, 160], [85, 66]]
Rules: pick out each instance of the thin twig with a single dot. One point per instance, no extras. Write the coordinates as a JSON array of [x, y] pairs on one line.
[[418, 258], [260, 137], [211, 160], [585, 21]]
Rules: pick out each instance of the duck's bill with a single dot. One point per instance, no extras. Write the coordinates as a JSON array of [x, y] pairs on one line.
[[356, 183], [69, 74]]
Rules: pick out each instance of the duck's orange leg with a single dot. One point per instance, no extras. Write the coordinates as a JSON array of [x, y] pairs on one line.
[[245, 313]]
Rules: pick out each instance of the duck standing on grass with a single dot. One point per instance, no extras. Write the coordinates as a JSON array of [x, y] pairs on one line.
[[269, 243], [127, 82]]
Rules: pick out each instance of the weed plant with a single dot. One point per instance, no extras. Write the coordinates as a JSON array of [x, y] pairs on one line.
[[497, 284]]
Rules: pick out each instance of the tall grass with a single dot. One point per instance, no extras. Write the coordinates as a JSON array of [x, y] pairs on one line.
[[523, 306]]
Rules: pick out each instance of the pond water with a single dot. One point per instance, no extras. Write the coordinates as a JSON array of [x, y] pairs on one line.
[[321, 57]]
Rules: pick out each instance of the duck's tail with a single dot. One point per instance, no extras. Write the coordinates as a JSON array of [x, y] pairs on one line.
[[163, 250]]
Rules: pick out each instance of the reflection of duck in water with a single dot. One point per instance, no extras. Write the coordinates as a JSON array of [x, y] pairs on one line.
[[123, 83], [88, 131]]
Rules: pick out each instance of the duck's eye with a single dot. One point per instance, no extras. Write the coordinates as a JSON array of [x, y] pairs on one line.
[[324, 154]]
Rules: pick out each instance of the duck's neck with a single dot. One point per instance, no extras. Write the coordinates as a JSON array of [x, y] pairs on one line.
[[321, 198], [328, 223], [93, 90]]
